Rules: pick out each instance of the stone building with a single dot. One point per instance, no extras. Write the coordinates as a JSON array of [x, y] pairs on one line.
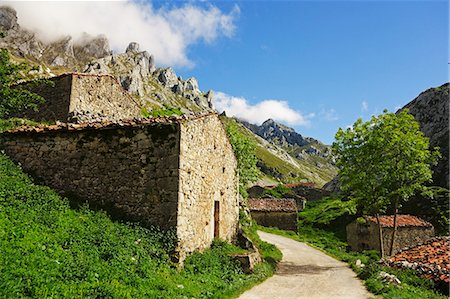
[[82, 97], [176, 173], [411, 230], [280, 213]]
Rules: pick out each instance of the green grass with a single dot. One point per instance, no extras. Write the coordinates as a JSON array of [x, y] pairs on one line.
[[412, 286], [48, 250], [164, 111]]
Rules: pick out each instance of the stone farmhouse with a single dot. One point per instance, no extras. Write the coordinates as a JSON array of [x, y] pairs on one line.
[[411, 230], [280, 213], [176, 173], [77, 97]]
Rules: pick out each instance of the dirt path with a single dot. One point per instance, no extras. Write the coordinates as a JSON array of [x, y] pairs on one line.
[[306, 272]]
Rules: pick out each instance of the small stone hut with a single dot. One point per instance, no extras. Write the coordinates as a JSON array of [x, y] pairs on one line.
[[280, 213], [411, 230], [176, 173], [78, 97]]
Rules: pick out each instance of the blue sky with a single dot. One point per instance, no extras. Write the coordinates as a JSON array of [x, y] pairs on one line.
[[313, 65], [332, 62]]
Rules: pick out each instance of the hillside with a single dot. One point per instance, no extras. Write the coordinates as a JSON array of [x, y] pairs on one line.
[[291, 159], [277, 163], [431, 110], [49, 249]]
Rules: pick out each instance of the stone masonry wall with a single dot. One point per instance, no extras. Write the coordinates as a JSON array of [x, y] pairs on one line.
[[83, 98], [131, 171], [207, 175], [57, 100], [96, 97], [360, 237], [281, 220]]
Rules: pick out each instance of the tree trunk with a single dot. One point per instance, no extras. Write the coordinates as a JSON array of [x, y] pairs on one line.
[[380, 233], [394, 232]]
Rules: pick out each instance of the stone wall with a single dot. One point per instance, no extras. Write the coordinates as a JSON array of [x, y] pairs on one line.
[[174, 172], [281, 220], [97, 97], [366, 236], [57, 100], [130, 171], [208, 181], [83, 98]]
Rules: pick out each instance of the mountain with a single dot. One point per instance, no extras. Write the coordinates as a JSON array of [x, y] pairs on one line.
[[135, 70], [287, 138], [285, 155], [431, 110]]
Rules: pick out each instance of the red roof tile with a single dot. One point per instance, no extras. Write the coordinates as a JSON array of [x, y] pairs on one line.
[[402, 221], [431, 259], [272, 205]]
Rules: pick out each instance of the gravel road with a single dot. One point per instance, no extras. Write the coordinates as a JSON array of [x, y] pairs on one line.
[[306, 272]]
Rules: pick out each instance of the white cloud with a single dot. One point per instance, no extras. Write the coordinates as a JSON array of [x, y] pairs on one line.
[[166, 32], [328, 114], [364, 106], [258, 113]]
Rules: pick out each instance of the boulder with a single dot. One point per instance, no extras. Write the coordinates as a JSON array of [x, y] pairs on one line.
[[132, 48]]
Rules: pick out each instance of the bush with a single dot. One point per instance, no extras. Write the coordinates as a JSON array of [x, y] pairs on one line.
[[244, 150]]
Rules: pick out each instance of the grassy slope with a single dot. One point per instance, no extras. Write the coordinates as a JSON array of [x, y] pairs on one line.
[[48, 249], [306, 172], [322, 225]]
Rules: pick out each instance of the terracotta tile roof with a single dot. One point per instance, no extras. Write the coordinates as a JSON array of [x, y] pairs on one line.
[[105, 124], [272, 205], [402, 221], [431, 259]]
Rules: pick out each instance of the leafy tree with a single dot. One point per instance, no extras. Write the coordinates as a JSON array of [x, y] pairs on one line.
[[383, 162], [15, 98], [244, 150]]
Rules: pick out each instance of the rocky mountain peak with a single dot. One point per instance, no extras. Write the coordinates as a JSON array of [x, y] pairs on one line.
[[133, 47], [135, 69], [8, 18]]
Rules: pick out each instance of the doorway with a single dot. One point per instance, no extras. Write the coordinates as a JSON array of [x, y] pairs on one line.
[[216, 218]]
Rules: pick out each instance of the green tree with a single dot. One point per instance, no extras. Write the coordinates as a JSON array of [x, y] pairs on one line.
[[244, 150], [383, 162], [15, 98]]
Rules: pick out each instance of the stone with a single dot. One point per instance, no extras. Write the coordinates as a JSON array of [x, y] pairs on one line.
[[191, 84], [132, 48], [389, 278], [82, 98], [167, 77], [92, 47], [188, 183], [8, 18]]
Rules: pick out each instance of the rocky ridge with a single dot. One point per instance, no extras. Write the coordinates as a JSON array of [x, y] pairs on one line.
[[63, 52], [287, 138], [135, 69], [431, 110]]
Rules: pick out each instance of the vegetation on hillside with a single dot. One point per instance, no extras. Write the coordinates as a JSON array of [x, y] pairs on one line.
[[166, 110], [244, 150], [322, 224], [383, 162], [412, 285], [48, 250], [14, 98], [275, 168]]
